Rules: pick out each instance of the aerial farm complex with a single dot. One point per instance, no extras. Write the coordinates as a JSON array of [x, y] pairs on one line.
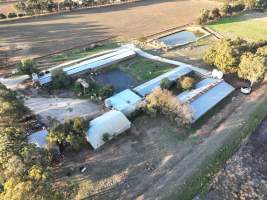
[[133, 100]]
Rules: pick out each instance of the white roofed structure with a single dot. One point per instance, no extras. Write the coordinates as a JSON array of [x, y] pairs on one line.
[[126, 102], [112, 123]]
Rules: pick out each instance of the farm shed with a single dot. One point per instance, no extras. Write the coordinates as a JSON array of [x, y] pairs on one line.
[[39, 138], [112, 123], [149, 86], [126, 102], [207, 94], [96, 63]]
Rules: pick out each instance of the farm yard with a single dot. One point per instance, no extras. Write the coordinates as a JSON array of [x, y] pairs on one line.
[[131, 117], [44, 35]]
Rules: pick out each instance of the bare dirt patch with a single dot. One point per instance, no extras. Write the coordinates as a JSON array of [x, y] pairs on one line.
[[44, 35]]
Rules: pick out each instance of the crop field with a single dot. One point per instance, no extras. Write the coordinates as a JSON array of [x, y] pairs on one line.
[[251, 26], [44, 35]]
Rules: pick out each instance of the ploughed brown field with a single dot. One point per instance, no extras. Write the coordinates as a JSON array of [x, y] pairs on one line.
[[43, 35]]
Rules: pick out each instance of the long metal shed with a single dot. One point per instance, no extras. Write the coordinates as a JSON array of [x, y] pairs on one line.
[[147, 87], [112, 122], [207, 94], [102, 61]]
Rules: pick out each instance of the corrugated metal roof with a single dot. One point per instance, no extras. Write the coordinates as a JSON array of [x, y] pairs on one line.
[[149, 86], [206, 99], [94, 63], [112, 122], [126, 101]]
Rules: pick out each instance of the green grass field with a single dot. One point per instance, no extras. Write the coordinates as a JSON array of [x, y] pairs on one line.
[[251, 26]]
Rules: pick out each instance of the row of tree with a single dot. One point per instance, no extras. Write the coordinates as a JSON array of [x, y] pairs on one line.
[[32, 7], [247, 59], [228, 9], [24, 169]]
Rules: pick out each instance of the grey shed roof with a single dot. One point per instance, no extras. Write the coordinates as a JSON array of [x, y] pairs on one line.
[[149, 86], [126, 102], [206, 95]]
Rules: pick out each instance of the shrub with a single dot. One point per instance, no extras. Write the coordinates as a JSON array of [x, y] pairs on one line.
[[227, 9], [187, 82], [164, 102], [2, 16], [262, 51], [204, 16], [106, 137], [238, 7], [165, 83], [60, 79], [215, 13], [252, 67], [27, 66], [11, 15], [106, 91], [21, 14]]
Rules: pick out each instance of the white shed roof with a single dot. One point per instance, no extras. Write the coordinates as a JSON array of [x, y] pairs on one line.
[[39, 138], [126, 101], [113, 122]]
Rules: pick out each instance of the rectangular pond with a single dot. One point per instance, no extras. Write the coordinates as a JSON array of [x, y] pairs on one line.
[[118, 79], [181, 38]]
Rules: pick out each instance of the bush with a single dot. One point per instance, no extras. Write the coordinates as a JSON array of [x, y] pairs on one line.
[[204, 16], [27, 66], [164, 102], [60, 79], [215, 13], [106, 91], [262, 51], [21, 14], [238, 7], [106, 137], [2, 16], [11, 15], [187, 82], [227, 9], [165, 83]]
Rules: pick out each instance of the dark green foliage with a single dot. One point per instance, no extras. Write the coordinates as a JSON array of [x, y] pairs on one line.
[[2, 16], [11, 15], [27, 66], [215, 13], [238, 7], [227, 9], [166, 83], [60, 79], [106, 137]]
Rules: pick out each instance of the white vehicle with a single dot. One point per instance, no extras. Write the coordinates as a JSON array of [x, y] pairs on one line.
[[246, 90]]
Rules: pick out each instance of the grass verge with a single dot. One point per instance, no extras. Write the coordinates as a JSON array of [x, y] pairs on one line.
[[201, 179]]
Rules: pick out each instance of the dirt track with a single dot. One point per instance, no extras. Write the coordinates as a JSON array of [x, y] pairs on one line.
[[41, 36]]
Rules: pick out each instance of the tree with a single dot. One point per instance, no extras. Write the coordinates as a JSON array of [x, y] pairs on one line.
[[165, 83], [60, 79], [57, 134], [27, 66], [252, 68], [79, 125], [187, 82], [215, 13], [262, 51], [164, 102], [227, 9], [204, 16], [225, 55]]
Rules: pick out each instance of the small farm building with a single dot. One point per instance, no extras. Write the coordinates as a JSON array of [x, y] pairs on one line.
[[126, 102], [112, 123]]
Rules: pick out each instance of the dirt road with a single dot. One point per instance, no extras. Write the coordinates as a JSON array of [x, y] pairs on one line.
[[41, 36]]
